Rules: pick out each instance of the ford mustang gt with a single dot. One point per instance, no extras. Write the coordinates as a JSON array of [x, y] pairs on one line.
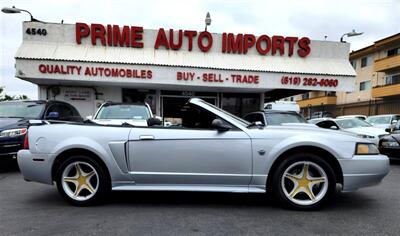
[[209, 150]]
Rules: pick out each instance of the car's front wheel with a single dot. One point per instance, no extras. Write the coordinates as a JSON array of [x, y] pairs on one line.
[[82, 181], [303, 181]]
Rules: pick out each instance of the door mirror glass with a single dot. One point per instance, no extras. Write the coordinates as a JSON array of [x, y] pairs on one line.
[[153, 121], [220, 125], [53, 115]]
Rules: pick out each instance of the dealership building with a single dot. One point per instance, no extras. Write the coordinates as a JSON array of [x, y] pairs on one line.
[[88, 64]]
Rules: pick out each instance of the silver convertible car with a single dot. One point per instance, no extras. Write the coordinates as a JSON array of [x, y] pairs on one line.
[[209, 150]]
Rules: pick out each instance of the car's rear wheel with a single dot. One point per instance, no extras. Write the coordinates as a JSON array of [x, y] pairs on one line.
[[82, 181], [303, 181]]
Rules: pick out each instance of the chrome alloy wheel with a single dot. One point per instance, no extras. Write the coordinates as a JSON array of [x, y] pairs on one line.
[[80, 181], [305, 183]]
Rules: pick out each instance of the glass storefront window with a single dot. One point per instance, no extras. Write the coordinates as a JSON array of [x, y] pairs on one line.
[[140, 95], [240, 103]]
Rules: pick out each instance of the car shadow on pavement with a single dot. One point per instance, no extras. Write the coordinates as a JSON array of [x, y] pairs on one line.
[[8, 165], [343, 201], [150, 199]]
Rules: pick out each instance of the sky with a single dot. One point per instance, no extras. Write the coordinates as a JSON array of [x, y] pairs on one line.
[[312, 18]]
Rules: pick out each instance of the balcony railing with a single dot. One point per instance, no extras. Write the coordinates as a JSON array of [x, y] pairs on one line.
[[317, 101], [386, 90], [387, 63]]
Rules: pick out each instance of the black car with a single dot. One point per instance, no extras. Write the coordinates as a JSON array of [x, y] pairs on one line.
[[274, 117], [15, 116], [389, 145]]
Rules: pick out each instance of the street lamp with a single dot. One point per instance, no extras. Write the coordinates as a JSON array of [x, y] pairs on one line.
[[13, 10], [350, 34], [208, 20]]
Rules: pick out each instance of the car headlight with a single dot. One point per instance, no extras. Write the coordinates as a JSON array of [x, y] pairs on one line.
[[390, 144], [12, 132], [366, 149], [365, 136]]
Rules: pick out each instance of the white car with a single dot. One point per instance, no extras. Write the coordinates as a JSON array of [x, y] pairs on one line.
[[354, 125], [383, 121], [361, 117], [111, 113], [282, 106]]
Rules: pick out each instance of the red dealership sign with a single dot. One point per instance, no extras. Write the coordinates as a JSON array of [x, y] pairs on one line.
[[132, 36]]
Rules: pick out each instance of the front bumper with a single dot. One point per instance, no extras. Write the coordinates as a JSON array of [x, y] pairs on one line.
[[10, 147], [392, 153], [363, 171], [35, 167]]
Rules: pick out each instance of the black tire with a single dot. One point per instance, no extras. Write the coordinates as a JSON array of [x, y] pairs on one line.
[[278, 173], [103, 181]]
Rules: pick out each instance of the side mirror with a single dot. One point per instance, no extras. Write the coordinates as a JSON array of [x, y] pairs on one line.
[[89, 117], [153, 121], [220, 125], [394, 122], [333, 127], [259, 123], [53, 116], [388, 130]]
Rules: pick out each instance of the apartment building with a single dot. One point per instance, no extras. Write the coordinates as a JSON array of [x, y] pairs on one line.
[[377, 84]]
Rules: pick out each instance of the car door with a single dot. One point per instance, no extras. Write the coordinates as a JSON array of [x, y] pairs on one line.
[[190, 153]]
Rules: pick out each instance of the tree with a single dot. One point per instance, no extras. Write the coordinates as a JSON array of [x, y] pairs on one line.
[[5, 97]]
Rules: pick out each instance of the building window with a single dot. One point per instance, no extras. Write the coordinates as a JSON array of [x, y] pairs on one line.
[[392, 79], [393, 52], [305, 96], [330, 93], [365, 85], [354, 64], [364, 62]]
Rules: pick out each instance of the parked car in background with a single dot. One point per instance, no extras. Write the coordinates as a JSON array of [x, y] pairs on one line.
[[14, 117], [389, 145], [316, 120], [282, 106], [361, 117], [271, 117], [353, 125], [321, 114], [212, 150], [112, 113], [383, 121]]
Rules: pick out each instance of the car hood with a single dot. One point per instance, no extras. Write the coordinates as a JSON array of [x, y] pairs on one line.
[[393, 136], [381, 126], [373, 131], [12, 123], [120, 122]]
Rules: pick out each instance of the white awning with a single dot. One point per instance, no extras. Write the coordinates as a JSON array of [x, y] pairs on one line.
[[313, 64]]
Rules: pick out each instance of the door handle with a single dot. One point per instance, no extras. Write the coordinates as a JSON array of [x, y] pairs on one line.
[[146, 137]]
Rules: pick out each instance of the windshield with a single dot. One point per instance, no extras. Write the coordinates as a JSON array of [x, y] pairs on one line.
[[352, 123], [379, 120], [280, 118], [124, 112], [26, 110]]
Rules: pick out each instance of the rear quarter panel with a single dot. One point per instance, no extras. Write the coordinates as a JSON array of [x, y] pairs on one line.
[[57, 138]]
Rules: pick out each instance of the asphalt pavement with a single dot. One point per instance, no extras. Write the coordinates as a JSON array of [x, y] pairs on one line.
[[34, 209]]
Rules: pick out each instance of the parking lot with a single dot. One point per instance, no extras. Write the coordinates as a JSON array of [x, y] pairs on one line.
[[36, 209]]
